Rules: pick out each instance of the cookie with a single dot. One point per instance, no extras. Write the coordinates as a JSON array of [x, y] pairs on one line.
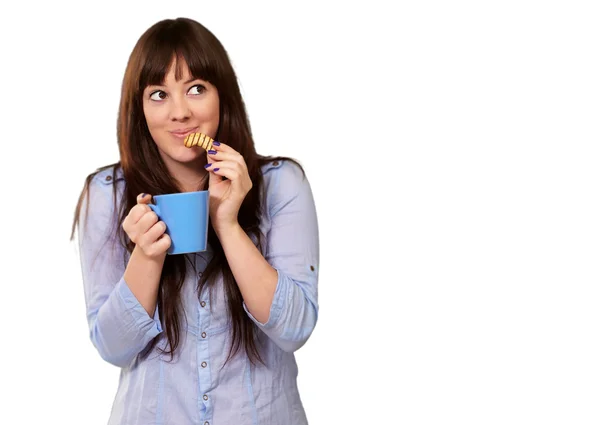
[[198, 139]]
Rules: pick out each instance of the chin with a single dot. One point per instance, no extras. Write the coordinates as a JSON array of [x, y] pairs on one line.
[[187, 155], [182, 155]]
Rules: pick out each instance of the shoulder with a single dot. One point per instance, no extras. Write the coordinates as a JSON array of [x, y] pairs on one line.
[[108, 176], [96, 201], [282, 171], [283, 180], [102, 180]]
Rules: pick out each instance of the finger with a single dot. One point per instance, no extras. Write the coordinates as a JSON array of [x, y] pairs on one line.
[[232, 172], [148, 220], [222, 147], [212, 177], [234, 160], [137, 212], [162, 243], [226, 156], [225, 164], [225, 152], [232, 165], [154, 232]]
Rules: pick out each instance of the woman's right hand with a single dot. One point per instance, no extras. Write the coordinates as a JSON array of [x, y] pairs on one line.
[[145, 230]]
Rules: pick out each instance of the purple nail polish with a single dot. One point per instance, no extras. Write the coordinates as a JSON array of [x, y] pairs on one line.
[[215, 143], [207, 165], [212, 152], [215, 169], [143, 195]]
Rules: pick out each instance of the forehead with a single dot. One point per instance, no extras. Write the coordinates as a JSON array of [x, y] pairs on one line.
[[172, 71], [178, 71]]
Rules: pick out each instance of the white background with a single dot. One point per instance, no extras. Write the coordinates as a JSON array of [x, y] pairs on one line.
[[453, 152]]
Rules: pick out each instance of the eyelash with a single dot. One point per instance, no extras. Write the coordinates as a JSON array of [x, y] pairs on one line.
[[201, 89]]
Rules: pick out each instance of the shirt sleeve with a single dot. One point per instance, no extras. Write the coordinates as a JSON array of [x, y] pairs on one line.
[[120, 327], [292, 249]]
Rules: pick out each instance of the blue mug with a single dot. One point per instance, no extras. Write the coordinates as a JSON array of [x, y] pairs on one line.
[[186, 217]]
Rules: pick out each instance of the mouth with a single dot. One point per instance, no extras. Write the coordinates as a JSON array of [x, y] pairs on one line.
[[180, 134]]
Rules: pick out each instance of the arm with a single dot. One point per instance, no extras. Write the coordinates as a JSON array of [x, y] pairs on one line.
[[280, 289], [120, 327], [255, 277], [143, 277]]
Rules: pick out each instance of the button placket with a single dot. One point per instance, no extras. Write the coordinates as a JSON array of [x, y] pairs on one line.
[[204, 381]]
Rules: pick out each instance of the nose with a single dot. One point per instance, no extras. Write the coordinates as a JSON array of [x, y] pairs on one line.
[[180, 109]]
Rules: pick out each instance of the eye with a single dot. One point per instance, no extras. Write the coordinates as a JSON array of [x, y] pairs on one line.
[[161, 95], [197, 89]]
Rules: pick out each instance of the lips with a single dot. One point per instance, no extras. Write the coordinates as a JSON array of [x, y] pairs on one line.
[[182, 133]]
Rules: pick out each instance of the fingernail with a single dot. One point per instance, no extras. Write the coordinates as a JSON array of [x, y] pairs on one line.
[[215, 169], [215, 143], [143, 195], [207, 165], [212, 152]]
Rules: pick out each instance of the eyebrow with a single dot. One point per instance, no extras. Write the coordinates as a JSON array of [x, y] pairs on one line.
[[190, 80], [185, 82]]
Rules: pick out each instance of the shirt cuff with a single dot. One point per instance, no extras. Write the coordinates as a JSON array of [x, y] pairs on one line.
[[276, 305], [138, 312]]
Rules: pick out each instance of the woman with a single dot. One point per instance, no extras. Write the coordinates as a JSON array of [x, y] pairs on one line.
[[205, 338]]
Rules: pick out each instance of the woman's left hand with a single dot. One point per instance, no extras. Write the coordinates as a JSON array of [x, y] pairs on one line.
[[226, 196]]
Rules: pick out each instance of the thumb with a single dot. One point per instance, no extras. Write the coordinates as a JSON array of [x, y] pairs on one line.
[[144, 198]]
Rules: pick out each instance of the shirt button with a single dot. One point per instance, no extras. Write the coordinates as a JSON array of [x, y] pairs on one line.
[[203, 364], [203, 304], [203, 334], [199, 274], [276, 163], [205, 397], [206, 423], [108, 178]]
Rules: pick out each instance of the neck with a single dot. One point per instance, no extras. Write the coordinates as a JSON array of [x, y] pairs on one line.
[[190, 177]]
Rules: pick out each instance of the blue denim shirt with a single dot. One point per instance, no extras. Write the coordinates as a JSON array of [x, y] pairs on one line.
[[195, 388]]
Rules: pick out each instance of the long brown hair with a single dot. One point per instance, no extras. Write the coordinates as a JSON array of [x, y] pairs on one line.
[[186, 41]]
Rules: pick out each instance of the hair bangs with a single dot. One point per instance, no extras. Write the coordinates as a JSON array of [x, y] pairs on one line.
[[184, 50]]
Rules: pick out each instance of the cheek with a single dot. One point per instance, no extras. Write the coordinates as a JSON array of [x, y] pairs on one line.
[[206, 112], [209, 109], [151, 122], [154, 118]]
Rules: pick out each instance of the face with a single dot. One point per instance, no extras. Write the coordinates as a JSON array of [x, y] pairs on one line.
[[176, 108]]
